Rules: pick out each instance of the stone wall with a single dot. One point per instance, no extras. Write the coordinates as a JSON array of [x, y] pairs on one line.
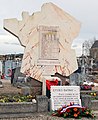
[[16, 109], [24, 109]]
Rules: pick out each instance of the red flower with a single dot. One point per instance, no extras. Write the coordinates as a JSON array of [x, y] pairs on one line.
[[87, 112], [68, 110], [75, 115], [75, 109]]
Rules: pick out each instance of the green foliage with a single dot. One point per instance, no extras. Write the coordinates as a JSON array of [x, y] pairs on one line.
[[15, 98]]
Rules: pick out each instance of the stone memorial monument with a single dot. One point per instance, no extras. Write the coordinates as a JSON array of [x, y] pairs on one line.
[[47, 36]]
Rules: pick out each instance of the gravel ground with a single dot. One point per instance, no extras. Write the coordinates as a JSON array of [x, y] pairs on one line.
[[8, 88]]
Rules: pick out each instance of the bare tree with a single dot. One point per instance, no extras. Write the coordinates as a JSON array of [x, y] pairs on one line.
[[87, 46]]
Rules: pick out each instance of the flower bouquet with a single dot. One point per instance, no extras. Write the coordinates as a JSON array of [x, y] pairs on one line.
[[85, 87], [73, 111]]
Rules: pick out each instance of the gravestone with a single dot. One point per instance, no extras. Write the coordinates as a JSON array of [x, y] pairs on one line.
[[64, 95], [75, 79], [35, 86], [47, 37], [18, 77]]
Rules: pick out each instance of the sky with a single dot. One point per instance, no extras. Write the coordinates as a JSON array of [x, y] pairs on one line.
[[85, 11]]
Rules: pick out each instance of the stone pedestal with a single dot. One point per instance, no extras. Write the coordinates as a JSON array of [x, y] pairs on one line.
[[42, 103]]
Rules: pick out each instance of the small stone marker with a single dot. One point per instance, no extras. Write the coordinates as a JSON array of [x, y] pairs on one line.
[[63, 95]]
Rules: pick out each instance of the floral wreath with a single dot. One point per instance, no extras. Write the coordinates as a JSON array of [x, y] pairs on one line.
[[73, 111]]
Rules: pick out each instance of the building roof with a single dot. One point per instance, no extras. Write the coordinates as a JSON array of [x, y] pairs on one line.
[[95, 45]]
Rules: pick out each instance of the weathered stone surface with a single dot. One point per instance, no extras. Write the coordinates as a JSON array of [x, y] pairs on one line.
[[86, 100], [47, 36], [35, 86], [74, 79], [42, 103], [94, 104], [14, 108], [33, 82], [25, 90], [36, 91]]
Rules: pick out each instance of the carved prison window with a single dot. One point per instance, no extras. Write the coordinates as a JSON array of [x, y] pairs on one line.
[[49, 43]]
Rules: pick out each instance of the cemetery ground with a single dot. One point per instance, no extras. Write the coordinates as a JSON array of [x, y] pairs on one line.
[[10, 89]]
